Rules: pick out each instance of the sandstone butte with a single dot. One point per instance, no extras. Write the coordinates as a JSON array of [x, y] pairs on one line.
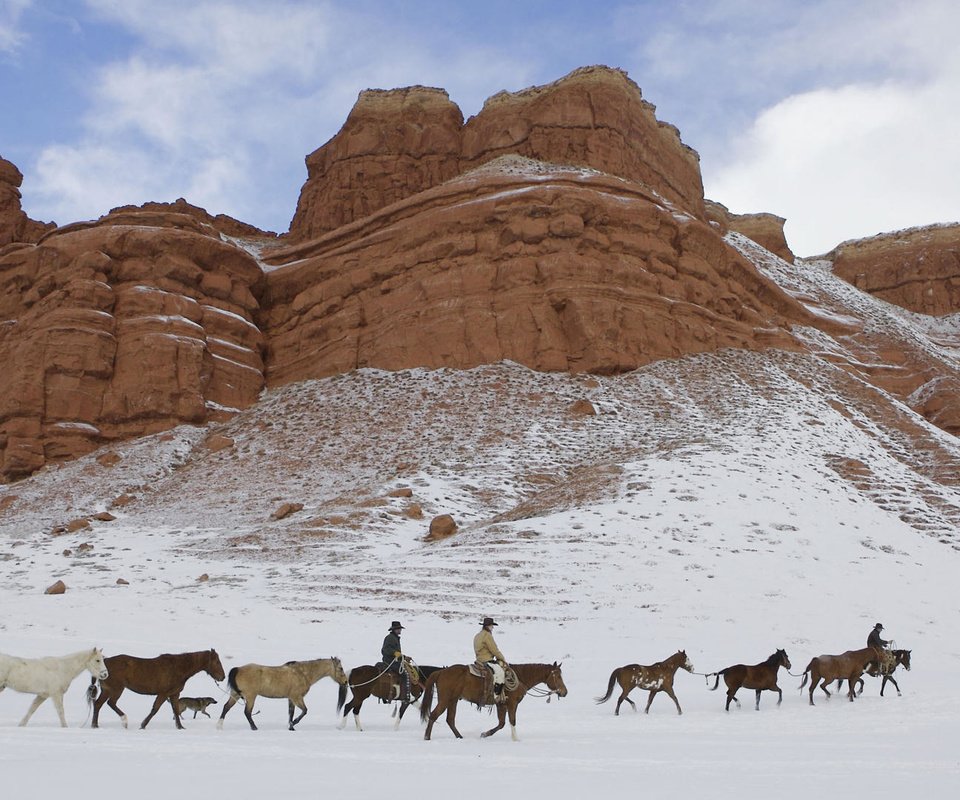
[[564, 227]]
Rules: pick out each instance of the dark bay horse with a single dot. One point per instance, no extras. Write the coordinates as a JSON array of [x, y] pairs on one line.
[[164, 676], [456, 683], [849, 666], [291, 680], [757, 676], [656, 678], [375, 680]]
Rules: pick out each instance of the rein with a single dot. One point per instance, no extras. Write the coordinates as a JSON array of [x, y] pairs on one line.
[[375, 678], [535, 691]]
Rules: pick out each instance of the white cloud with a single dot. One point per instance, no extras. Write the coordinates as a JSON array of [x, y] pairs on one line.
[[11, 35]]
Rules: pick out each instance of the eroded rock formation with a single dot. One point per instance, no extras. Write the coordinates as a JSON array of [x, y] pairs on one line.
[[397, 143], [118, 328], [15, 225], [918, 269], [765, 229]]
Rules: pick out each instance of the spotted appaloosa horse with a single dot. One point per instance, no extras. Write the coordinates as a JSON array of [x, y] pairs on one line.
[[825, 669], [655, 678], [49, 677], [165, 676], [757, 676]]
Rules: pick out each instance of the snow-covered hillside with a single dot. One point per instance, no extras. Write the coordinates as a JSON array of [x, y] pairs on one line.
[[728, 504]]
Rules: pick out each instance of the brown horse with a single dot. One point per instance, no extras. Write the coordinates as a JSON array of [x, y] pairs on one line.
[[876, 669], [164, 676], [757, 676], [657, 678], [456, 683], [373, 680], [849, 666], [291, 680]]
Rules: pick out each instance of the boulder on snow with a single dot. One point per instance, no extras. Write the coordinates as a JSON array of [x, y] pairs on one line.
[[56, 588]]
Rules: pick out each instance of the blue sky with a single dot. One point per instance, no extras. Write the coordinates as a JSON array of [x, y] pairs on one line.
[[840, 115]]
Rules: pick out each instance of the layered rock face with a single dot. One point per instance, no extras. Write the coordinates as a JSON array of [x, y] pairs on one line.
[[553, 267], [918, 269], [15, 226], [123, 327], [765, 229], [397, 143]]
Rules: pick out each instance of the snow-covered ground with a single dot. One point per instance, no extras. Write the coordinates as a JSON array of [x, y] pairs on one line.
[[729, 505]]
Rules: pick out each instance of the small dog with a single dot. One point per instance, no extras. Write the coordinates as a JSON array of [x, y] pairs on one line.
[[196, 704]]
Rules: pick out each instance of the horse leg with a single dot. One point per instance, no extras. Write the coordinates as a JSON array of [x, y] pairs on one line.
[[248, 710], [58, 704], [673, 697], [452, 719], [33, 707], [226, 707], [175, 704], [161, 699], [433, 717], [757, 706], [779, 695], [884, 683], [303, 711], [403, 708], [623, 696], [732, 695], [501, 719], [653, 693], [826, 691]]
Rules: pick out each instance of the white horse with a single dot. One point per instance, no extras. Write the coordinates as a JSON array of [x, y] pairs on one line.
[[48, 677]]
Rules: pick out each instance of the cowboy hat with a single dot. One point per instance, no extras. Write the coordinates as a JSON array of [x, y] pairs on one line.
[[487, 621], [396, 626]]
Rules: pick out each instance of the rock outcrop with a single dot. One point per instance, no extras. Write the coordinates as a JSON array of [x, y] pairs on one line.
[[397, 143], [918, 269], [552, 267], [765, 229], [15, 225], [126, 326]]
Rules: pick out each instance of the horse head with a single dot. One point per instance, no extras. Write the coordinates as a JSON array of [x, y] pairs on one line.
[[685, 662], [903, 657], [214, 668], [98, 669], [555, 682], [782, 659]]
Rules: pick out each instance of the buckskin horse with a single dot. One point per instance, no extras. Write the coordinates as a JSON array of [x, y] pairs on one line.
[[163, 676], [756, 676], [291, 680], [656, 678], [456, 683], [375, 680], [877, 669], [48, 677]]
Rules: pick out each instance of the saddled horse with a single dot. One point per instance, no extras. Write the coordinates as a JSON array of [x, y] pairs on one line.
[[756, 676], [456, 683], [825, 669], [48, 677], [884, 669], [375, 680], [291, 680], [163, 676], [656, 678]]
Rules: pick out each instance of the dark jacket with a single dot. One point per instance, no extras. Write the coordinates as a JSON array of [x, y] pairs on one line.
[[874, 640], [391, 646]]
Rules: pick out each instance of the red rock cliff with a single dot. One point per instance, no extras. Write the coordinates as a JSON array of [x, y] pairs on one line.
[[15, 226]]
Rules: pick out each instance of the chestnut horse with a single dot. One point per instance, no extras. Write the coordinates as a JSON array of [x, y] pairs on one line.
[[849, 666], [657, 678], [373, 680], [875, 670], [291, 680], [757, 676], [164, 676], [456, 683]]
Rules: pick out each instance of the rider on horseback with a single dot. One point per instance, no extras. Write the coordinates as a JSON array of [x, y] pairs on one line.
[[886, 662], [392, 655], [487, 652]]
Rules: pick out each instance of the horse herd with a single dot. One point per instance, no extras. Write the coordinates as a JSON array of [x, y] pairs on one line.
[[165, 676]]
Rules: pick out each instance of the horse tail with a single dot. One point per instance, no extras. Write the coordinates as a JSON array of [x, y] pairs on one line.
[[806, 674], [92, 691], [716, 683], [613, 679], [232, 681], [341, 696], [427, 700]]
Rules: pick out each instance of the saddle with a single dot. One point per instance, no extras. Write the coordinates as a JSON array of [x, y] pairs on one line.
[[483, 671]]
